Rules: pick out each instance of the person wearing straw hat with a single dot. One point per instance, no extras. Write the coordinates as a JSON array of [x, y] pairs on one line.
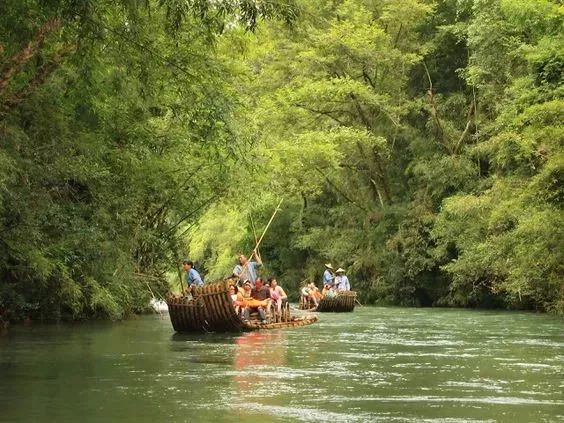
[[341, 281], [247, 270], [328, 276]]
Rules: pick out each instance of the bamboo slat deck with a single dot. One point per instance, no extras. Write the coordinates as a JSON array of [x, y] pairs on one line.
[[343, 302], [211, 310]]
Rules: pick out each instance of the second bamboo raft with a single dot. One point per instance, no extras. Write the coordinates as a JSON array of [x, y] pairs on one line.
[[344, 301]]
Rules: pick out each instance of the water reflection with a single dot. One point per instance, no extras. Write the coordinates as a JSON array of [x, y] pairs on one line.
[[257, 354]]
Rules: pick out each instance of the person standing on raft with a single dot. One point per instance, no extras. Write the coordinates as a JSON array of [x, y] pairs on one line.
[[328, 276], [247, 270], [341, 281]]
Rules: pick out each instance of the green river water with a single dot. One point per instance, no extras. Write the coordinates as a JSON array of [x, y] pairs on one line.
[[373, 365]]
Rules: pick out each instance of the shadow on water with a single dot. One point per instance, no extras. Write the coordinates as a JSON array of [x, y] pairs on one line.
[[210, 338]]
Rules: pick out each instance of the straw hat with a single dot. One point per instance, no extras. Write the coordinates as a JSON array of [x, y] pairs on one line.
[[328, 266], [339, 270]]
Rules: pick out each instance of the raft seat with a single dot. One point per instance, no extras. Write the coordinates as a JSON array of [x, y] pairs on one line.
[[272, 315]]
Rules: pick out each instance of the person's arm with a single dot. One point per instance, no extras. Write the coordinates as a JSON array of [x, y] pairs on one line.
[[240, 301], [237, 270], [282, 292], [257, 256]]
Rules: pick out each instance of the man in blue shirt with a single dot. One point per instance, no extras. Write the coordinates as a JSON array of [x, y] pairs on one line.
[[341, 281], [328, 275], [247, 270], [193, 278]]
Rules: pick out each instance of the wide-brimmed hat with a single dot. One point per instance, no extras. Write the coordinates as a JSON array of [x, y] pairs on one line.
[[340, 269], [328, 265]]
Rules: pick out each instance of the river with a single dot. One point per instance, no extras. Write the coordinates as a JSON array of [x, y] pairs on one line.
[[373, 365]]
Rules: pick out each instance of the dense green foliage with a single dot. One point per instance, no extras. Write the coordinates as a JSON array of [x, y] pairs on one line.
[[416, 143], [115, 129]]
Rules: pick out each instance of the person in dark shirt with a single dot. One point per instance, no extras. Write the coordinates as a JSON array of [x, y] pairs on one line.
[[259, 293]]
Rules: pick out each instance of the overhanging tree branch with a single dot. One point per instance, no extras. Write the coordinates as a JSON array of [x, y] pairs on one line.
[[320, 112], [345, 196], [20, 59]]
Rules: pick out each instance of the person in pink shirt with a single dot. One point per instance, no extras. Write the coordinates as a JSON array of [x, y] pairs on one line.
[[277, 294]]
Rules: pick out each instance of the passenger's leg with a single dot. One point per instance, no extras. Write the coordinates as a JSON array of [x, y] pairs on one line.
[[262, 313]]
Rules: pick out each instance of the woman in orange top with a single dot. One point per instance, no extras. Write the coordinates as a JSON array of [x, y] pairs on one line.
[[314, 291]]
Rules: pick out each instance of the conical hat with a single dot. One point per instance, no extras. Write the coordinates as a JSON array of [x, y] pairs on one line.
[[328, 265], [340, 269]]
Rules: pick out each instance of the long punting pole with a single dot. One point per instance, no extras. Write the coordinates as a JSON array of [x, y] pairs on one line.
[[261, 237], [267, 226], [254, 230]]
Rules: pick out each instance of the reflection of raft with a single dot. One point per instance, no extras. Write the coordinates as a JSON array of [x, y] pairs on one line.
[[211, 310], [344, 301]]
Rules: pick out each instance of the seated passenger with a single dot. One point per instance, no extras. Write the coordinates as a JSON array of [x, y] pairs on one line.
[[237, 298], [331, 293], [247, 289], [304, 297], [276, 299], [274, 285], [260, 298], [309, 294], [314, 291]]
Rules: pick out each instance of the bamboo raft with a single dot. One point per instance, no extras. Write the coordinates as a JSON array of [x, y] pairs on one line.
[[211, 310], [343, 302]]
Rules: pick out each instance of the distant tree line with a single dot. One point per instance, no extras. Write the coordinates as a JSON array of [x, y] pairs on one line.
[[416, 143]]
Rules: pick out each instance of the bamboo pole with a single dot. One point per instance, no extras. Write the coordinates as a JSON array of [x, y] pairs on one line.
[[261, 237], [254, 230], [181, 281], [268, 225]]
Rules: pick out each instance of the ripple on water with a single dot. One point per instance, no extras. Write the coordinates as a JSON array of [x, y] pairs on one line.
[[308, 414], [461, 400], [311, 414], [538, 342], [476, 386]]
